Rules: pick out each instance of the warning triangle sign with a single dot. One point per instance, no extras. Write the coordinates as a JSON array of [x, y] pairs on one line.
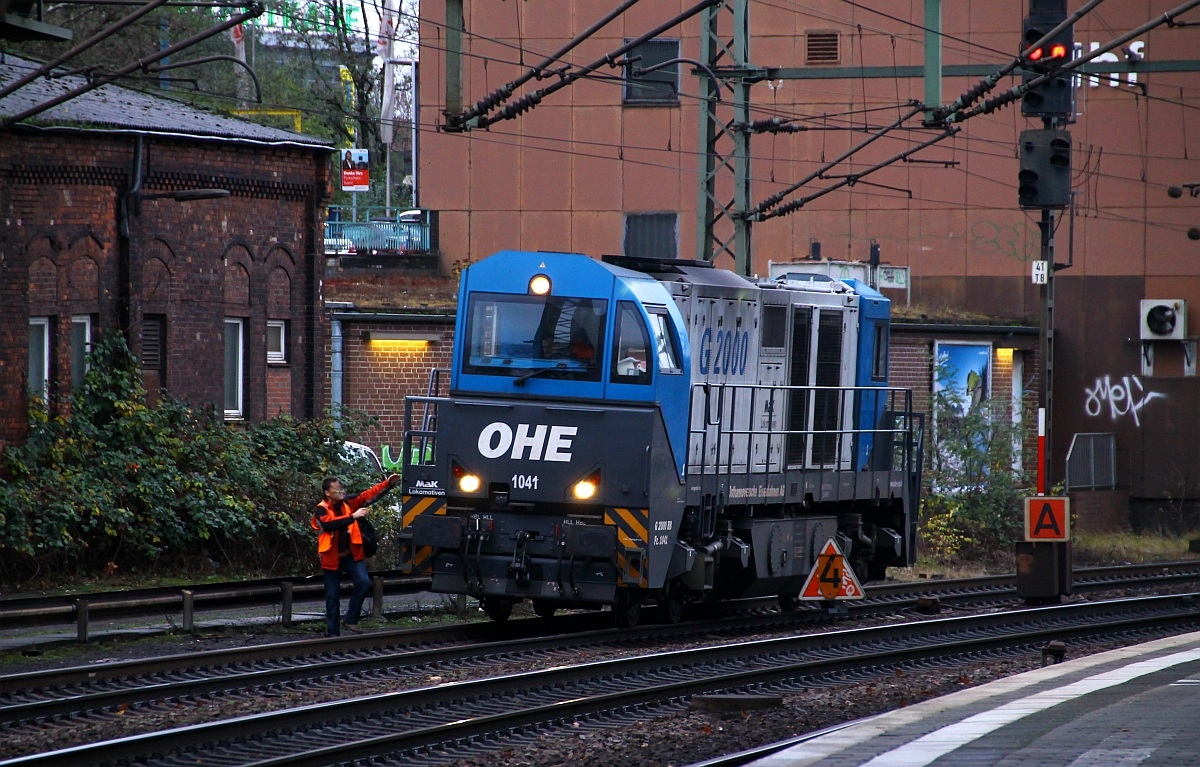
[[831, 577]]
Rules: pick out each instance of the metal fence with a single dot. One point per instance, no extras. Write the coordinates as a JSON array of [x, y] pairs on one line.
[[1092, 462], [378, 232]]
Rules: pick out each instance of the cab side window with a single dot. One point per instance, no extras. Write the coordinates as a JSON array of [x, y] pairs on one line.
[[630, 362], [664, 342]]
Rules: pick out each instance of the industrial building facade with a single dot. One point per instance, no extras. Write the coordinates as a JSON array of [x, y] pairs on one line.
[[611, 162]]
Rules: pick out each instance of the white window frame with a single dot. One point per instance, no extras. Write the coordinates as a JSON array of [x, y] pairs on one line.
[[39, 333], [80, 356], [235, 358], [276, 352]]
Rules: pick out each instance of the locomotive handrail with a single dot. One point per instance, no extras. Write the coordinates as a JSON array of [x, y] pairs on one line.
[[735, 428], [424, 454]]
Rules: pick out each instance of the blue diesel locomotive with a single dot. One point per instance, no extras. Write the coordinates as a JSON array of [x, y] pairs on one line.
[[624, 431]]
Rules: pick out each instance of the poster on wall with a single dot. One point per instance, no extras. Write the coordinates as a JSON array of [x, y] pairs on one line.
[[355, 171], [964, 373]]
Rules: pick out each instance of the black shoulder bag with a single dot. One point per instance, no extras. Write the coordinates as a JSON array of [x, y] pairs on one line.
[[370, 539]]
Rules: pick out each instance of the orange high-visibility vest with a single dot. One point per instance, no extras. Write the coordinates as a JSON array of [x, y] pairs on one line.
[[327, 512]]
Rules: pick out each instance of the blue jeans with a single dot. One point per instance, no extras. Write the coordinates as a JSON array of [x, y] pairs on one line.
[[333, 594]]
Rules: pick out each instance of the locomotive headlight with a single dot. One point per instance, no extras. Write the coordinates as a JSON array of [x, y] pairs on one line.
[[466, 481], [584, 489], [539, 285], [587, 488]]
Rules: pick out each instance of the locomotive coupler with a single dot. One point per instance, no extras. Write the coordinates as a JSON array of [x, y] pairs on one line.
[[519, 567], [731, 545], [478, 531]]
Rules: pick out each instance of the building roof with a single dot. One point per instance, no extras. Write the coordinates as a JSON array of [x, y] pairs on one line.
[[111, 107]]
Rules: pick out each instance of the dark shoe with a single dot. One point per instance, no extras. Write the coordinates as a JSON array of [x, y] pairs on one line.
[[352, 628]]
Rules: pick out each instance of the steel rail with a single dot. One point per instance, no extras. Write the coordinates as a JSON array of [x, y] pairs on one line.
[[32, 612], [422, 718], [79, 690]]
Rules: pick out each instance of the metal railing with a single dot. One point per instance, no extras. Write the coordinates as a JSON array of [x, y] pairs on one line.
[[186, 601], [756, 427], [376, 238], [376, 231], [756, 442]]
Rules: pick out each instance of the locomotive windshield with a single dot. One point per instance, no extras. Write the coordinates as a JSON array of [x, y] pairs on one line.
[[515, 335]]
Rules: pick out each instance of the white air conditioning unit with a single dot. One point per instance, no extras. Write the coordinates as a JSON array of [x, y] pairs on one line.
[[1164, 319]]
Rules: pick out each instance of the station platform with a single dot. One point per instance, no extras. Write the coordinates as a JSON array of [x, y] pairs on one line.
[[1139, 705]]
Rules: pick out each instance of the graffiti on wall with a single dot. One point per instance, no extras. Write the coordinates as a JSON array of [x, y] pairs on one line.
[[1125, 396], [390, 465], [993, 239], [394, 465]]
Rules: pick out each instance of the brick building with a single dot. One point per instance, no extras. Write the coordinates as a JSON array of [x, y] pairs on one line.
[[196, 235], [389, 329]]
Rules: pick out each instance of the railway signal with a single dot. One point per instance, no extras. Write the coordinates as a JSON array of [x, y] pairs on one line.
[[1044, 178], [1054, 97]]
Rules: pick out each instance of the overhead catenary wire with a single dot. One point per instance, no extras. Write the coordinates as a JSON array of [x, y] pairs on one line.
[[854, 178], [1008, 97], [496, 97], [256, 9], [762, 208], [990, 82], [598, 75], [100, 36], [530, 100]]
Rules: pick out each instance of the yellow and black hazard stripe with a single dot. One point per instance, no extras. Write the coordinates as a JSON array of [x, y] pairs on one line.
[[419, 562], [633, 535]]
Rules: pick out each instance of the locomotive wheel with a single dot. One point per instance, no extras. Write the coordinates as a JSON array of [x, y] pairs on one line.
[[788, 603], [543, 609], [497, 608], [672, 602], [627, 609]]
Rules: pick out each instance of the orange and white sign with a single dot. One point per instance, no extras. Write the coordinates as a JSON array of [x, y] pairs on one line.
[[1047, 519], [831, 577]]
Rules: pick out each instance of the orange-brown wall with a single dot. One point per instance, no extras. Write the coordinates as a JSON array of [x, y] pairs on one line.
[[562, 175]]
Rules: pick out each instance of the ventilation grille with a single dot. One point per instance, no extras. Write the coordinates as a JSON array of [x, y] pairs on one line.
[[822, 47], [153, 332]]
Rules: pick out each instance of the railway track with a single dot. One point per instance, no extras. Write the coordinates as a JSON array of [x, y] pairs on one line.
[[431, 723], [275, 671], [44, 696]]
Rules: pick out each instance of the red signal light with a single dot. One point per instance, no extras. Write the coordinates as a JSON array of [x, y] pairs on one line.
[[1035, 54]]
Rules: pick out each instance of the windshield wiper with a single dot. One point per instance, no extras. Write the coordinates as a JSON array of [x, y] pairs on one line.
[[521, 379]]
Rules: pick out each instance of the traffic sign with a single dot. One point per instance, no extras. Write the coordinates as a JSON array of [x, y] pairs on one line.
[[831, 577], [1047, 519]]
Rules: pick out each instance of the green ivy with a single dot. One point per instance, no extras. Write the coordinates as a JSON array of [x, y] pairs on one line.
[[117, 484]]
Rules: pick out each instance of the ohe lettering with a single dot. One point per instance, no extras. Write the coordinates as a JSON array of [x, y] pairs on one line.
[[530, 442]]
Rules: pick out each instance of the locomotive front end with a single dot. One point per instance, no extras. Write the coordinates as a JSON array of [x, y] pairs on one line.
[[535, 477]]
